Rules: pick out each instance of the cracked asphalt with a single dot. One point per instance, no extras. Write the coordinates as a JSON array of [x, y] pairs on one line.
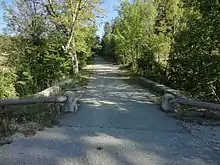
[[116, 125]]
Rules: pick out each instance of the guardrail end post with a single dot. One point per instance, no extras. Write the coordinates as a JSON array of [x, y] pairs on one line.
[[166, 104], [71, 103]]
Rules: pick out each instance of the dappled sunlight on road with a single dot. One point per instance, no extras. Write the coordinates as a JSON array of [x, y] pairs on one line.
[[117, 124]]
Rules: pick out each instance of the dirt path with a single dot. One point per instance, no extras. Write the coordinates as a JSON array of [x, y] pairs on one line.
[[116, 124]]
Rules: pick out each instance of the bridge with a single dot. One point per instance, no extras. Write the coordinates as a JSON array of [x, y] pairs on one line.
[[116, 125]]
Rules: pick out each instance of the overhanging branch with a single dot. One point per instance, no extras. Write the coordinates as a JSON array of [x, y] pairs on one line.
[[59, 25]]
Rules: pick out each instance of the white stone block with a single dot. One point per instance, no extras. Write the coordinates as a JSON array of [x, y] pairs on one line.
[[71, 104], [166, 105]]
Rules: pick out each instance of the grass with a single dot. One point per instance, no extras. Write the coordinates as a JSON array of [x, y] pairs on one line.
[[14, 116], [44, 115]]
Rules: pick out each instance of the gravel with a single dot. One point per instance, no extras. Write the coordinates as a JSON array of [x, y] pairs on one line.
[[116, 124]]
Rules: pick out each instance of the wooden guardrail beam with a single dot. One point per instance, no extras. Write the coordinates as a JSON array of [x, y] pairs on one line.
[[25, 101], [168, 100], [69, 101], [196, 103]]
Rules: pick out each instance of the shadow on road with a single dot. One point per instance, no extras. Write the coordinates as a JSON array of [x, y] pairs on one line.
[[116, 124]]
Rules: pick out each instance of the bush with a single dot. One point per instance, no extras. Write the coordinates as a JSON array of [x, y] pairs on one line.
[[7, 82], [195, 57]]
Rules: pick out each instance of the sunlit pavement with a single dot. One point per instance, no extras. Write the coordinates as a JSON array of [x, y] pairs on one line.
[[116, 124]]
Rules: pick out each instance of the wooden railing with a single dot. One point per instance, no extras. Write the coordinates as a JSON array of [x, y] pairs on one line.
[[169, 100], [196, 103], [172, 96], [26, 101], [68, 100]]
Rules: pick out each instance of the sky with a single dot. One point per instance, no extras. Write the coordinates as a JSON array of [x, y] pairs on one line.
[[108, 5], [1, 14]]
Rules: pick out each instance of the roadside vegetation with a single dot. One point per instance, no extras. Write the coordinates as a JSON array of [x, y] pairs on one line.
[[173, 42], [44, 43]]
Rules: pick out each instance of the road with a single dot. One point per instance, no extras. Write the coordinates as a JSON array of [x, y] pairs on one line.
[[116, 125]]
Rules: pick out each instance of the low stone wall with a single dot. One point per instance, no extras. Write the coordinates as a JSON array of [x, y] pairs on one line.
[[159, 88], [167, 93], [53, 90], [181, 111]]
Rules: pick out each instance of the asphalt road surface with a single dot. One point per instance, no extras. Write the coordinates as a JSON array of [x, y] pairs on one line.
[[116, 125]]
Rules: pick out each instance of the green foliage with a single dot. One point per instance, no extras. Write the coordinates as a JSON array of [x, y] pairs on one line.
[[7, 73], [35, 40], [76, 20], [41, 68], [7, 80], [39, 60], [174, 42], [194, 61]]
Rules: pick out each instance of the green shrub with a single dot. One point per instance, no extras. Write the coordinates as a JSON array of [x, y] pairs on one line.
[[7, 82]]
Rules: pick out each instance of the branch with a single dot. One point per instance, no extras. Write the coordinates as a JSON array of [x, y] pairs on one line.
[[60, 25], [50, 9]]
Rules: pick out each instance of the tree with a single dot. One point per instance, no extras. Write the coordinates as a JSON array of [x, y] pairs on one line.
[[69, 16], [169, 15], [39, 60], [175, 42], [131, 32], [45, 35], [193, 63], [107, 42], [7, 74]]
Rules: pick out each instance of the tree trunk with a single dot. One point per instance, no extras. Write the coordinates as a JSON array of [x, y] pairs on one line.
[[75, 62], [76, 69]]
